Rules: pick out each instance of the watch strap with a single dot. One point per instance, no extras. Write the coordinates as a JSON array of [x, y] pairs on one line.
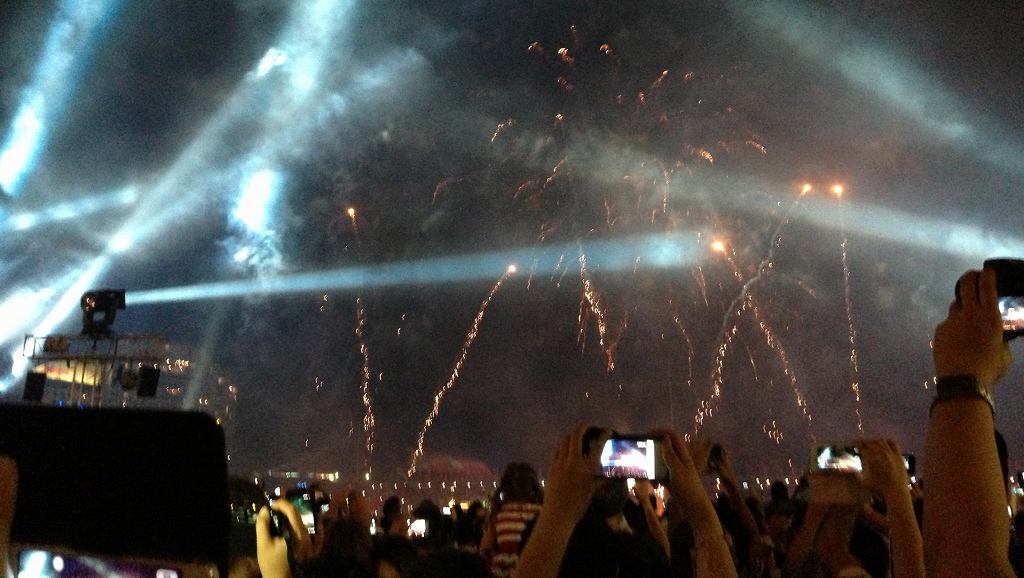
[[961, 387]]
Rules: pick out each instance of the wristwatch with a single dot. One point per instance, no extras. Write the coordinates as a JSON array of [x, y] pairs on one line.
[[961, 387]]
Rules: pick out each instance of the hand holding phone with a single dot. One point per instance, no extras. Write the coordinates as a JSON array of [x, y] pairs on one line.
[[836, 487], [1010, 293], [271, 550], [885, 468], [299, 539]]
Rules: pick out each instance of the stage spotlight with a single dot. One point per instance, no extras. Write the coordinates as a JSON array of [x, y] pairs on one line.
[[99, 307], [35, 383]]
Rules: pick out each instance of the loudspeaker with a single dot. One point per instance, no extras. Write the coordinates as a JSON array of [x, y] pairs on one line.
[[35, 382], [149, 377]]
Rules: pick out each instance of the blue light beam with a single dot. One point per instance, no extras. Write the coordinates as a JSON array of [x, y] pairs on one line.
[[70, 210], [68, 44], [659, 252], [888, 76]]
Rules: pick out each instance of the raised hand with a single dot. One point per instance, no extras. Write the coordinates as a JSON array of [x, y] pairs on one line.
[[884, 470], [970, 340]]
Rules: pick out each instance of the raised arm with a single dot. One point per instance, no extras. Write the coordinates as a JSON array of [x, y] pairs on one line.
[[644, 491], [711, 553], [884, 474], [965, 517], [570, 485]]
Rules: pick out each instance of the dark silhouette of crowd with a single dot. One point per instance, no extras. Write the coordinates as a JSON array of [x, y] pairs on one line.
[[874, 522]]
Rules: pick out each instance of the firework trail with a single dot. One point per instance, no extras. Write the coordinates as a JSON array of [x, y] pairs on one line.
[[769, 261], [351, 212], [594, 302], [689, 361], [706, 406], [689, 349], [369, 421], [837, 190], [728, 334], [471, 335]]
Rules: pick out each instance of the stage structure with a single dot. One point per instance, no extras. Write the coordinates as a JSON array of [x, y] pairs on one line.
[[100, 368], [97, 370]]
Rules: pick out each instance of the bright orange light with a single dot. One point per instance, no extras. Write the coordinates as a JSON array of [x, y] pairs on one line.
[[351, 212], [718, 247], [837, 190], [805, 189], [512, 268]]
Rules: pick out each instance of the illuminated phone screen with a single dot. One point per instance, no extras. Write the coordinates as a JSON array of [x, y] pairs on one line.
[[1012, 311], [842, 459], [418, 528], [304, 505], [628, 458]]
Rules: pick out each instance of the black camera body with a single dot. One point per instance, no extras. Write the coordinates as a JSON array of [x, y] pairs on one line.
[[1010, 289], [279, 525]]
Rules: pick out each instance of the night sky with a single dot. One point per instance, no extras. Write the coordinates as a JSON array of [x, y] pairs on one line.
[[459, 128]]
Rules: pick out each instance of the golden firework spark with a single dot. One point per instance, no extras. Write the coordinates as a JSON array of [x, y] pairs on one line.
[[471, 336], [369, 421]]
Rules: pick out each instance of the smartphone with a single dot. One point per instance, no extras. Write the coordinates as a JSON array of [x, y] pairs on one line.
[[1010, 289], [634, 456], [910, 462], [837, 458], [715, 458], [121, 492], [1011, 308], [305, 502], [418, 528]]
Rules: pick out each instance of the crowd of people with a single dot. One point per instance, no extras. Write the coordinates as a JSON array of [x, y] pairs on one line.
[[580, 523], [843, 524]]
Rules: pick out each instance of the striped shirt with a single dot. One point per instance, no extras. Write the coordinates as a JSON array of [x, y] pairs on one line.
[[510, 521]]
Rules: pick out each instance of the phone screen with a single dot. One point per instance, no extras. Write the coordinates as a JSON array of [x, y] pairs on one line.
[[418, 528], [40, 563], [910, 462], [1011, 308], [629, 457], [304, 504], [838, 458]]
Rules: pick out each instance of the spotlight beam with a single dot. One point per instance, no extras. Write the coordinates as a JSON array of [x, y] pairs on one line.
[[661, 252], [68, 43], [75, 209], [866, 64], [955, 238]]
